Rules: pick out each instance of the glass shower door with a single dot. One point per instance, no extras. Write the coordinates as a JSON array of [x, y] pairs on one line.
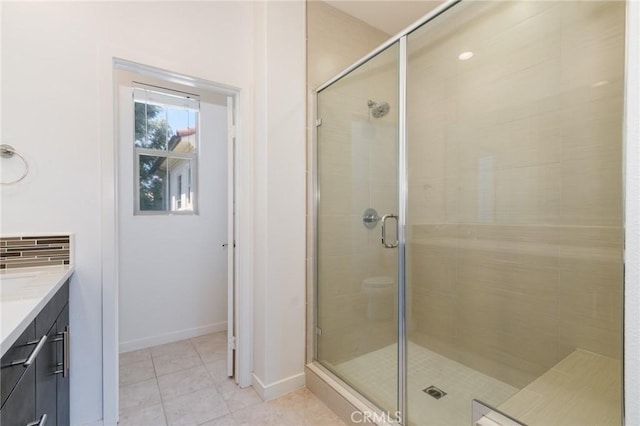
[[357, 190], [514, 230]]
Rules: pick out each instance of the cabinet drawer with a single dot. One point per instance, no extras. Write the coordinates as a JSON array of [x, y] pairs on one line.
[[49, 313], [20, 409], [18, 352]]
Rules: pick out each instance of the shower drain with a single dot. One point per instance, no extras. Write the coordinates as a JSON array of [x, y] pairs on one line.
[[434, 392]]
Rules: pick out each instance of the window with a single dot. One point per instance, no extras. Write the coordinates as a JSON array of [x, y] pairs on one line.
[[166, 149]]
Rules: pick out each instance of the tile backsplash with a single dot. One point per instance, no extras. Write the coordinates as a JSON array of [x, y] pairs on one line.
[[39, 250]]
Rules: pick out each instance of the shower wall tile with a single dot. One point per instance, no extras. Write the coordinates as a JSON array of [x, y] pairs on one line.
[[341, 235], [384, 196], [435, 315], [591, 317], [511, 301], [435, 266], [528, 194], [347, 332], [344, 194], [506, 298], [591, 187], [343, 274], [591, 43], [518, 272], [461, 200], [532, 138], [335, 40], [515, 195], [427, 195], [485, 351], [358, 160]]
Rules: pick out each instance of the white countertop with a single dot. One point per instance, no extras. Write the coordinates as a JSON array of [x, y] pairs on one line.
[[23, 294]]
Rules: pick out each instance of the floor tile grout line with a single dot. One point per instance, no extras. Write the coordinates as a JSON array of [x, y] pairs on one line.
[[157, 382], [216, 386], [233, 415], [180, 369], [164, 412], [131, 362], [191, 393], [155, 372], [163, 400], [218, 417], [147, 404], [188, 393]]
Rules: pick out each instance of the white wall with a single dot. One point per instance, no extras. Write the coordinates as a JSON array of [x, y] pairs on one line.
[[57, 83], [57, 108], [632, 218], [279, 274], [173, 268]]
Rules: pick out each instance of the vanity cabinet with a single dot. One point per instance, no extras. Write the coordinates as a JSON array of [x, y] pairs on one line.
[[35, 370], [18, 382], [62, 384], [20, 408]]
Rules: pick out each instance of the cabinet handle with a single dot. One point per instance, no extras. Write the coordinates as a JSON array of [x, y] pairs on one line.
[[41, 422], [35, 353], [65, 353]]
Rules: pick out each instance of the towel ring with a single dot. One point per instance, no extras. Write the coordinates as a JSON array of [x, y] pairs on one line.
[[7, 151]]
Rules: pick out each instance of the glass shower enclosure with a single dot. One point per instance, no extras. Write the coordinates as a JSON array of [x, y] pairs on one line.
[[469, 217]]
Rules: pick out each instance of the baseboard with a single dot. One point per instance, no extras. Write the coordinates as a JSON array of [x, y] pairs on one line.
[[134, 345], [279, 388]]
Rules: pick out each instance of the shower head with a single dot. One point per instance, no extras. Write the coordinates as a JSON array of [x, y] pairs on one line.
[[378, 109]]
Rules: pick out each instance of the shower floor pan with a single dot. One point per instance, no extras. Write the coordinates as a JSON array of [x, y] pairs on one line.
[[583, 388], [426, 368]]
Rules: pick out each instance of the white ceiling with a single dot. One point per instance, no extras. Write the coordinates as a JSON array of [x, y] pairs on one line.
[[390, 16]]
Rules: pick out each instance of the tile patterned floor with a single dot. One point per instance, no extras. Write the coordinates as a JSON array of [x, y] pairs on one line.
[[426, 368], [185, 383]]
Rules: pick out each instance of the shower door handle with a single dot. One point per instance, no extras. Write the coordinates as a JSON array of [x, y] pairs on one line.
[[384, 231]]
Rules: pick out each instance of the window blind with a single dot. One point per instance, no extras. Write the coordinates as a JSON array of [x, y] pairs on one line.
[[174, 99]]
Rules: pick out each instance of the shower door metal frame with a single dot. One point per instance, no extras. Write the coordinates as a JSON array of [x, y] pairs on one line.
[[403, 202], [401, 39], [396, 38]]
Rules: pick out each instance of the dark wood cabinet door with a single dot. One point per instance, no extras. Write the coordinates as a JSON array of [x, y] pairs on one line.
[[20, 408], [46, 365], [42, 388], [62, 325], [11, 369]]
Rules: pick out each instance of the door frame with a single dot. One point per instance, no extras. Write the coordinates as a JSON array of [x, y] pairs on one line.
[[241, 246]]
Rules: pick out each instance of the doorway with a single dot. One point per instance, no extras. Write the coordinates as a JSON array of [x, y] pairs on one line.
[[176, 241]]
